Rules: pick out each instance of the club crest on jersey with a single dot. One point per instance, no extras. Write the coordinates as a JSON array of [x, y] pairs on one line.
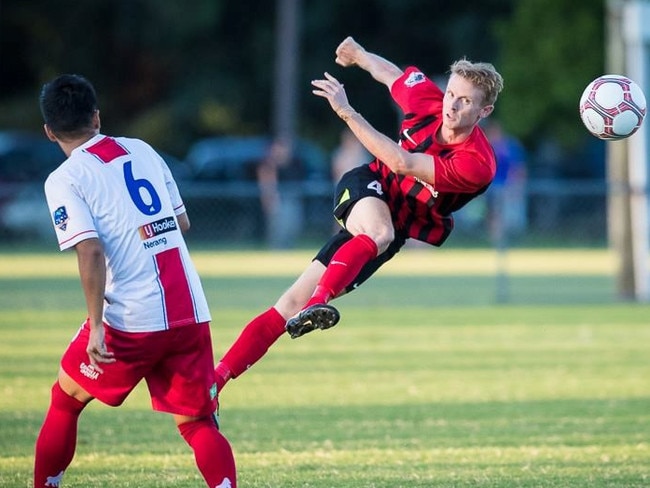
[[414, 78], [61, 218]]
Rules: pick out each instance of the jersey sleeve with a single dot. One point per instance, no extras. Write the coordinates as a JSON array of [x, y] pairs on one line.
[[70, 214], [172, 189], [416, 95], [463, 171]]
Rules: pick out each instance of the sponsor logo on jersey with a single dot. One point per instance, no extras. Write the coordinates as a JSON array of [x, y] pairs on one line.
[[434, 193], [414, 78], [61, 218], [153, 229], [161, 241]]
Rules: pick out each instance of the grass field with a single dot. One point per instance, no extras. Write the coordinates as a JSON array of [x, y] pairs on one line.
[[427, 381]]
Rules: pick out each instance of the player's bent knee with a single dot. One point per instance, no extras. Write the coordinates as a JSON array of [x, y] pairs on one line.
[[383, 237]]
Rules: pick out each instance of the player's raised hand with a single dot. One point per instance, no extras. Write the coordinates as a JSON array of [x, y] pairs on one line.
[[348, 51], [331, 89]]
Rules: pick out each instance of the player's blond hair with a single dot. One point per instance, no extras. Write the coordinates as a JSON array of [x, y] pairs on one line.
[[483, 75]]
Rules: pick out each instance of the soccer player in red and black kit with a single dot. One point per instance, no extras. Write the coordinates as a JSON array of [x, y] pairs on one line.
[[442, 161]]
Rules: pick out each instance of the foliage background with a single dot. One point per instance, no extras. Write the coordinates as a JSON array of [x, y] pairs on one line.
[[173, 71]]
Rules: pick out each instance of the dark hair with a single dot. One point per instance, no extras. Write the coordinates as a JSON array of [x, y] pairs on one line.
[[68, 104]]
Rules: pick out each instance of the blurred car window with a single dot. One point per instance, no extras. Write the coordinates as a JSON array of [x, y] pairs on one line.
[[27, 157], [223, 194], [235, 159], [25, 161]]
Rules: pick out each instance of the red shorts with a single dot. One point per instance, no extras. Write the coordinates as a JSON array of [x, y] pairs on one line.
[[177, 365]]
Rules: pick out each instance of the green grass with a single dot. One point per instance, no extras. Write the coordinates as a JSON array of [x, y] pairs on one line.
[[424, 385]]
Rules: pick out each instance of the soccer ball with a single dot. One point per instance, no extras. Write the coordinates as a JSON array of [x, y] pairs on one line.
[[612, 107]]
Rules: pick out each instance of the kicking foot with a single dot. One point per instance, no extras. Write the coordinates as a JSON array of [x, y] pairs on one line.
[[318, 316]]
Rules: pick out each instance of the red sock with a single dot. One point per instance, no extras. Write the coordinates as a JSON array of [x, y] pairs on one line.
[[345, 265], [250, 346], [212, 453], [57, 439]]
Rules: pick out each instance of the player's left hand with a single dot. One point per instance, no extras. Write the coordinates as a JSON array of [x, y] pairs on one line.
[[331, 89]]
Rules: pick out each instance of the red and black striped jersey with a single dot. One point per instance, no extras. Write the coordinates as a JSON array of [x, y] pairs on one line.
[[420, 209]]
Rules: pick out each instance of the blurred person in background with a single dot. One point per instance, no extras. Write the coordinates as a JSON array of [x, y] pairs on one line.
[[349, 154], [115, 202], [442, 161], [281, 201], [506, 197]]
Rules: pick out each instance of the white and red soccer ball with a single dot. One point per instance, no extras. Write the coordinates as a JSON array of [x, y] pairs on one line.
[[612, 107]]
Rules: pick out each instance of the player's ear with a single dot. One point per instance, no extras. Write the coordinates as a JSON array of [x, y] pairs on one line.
[[50, 135], [96, 121], [485, 111]]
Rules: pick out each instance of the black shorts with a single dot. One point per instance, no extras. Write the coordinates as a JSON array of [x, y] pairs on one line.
[[358, 183]]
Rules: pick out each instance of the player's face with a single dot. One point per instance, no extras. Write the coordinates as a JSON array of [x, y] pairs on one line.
[[462, 105]]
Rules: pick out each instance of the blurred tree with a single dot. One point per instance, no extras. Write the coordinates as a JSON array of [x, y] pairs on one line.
[[429, 34], [550, 51], [174, 71]]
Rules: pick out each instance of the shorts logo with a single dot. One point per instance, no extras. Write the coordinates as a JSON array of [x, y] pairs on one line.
[[61, 218], [414, 78], [158, 227], [89, 371], [344, 197]]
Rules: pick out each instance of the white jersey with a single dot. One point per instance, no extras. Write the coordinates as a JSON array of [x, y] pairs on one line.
[[121, 191]]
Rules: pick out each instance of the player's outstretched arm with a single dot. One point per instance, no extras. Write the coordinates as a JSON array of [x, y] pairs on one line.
[[350, 53], [399, 160]]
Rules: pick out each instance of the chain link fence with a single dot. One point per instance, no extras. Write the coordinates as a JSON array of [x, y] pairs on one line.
[[547, 213]]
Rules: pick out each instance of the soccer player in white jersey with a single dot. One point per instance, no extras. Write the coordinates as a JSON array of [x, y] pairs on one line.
[[114, 202]]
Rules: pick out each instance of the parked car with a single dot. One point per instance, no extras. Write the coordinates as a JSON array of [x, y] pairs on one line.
[[223, 193], [26, 215], [234, 159], [26, 157], [25, 162]]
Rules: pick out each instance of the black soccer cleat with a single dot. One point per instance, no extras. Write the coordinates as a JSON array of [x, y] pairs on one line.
[[319, 316]]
